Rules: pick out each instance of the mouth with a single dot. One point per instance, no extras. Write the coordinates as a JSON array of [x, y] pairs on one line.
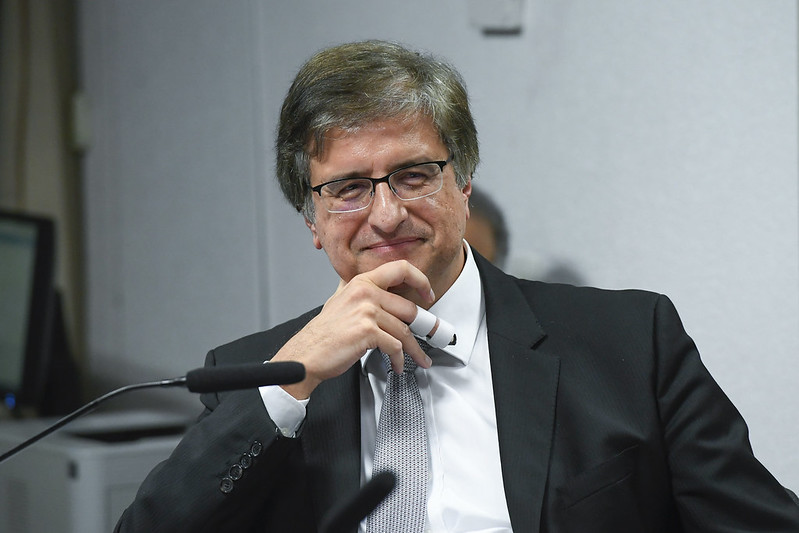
[[393, 244]]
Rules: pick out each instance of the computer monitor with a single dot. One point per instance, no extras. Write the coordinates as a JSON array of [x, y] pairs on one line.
[[27, 298]]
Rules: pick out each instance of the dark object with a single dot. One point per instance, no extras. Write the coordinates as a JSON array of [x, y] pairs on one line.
[[36, 366], [348, 514], [233, 377]]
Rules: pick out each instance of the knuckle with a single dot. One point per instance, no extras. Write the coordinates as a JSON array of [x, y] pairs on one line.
[[361, 291], [396, 346]]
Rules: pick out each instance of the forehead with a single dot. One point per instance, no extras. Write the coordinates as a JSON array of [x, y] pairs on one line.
[[378, 142]]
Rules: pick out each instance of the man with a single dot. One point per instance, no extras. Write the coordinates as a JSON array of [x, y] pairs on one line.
[[557, 409], [486, 231]]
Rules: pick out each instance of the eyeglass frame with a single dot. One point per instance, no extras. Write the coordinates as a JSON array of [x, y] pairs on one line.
[[385, 179]]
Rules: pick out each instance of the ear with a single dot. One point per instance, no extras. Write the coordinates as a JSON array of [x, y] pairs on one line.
[[311, 226], [467, 192]]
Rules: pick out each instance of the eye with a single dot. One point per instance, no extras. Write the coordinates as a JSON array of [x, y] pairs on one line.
[[346, 189], [411, 177]]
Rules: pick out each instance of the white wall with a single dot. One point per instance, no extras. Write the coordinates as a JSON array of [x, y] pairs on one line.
[[649, 144], [173, 184]]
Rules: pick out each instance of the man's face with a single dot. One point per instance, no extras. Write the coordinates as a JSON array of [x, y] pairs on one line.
[[428, 232]]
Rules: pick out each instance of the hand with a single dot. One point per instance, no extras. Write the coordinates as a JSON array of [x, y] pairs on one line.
[[360, 316]]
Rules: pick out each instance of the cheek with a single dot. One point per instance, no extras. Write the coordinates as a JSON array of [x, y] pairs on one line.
[[332, 235], [456, 212]]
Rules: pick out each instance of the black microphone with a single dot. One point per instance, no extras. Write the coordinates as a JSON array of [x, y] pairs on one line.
[[234, 377], [347, 515], [207, 379]]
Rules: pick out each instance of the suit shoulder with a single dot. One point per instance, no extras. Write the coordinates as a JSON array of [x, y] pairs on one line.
[[262, 345], [562, 291], [590, 303], [605, 322]]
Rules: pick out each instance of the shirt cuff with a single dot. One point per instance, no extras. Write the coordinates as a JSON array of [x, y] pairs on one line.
[[285, 410]]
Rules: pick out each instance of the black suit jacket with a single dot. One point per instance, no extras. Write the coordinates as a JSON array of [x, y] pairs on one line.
[[607, 421]]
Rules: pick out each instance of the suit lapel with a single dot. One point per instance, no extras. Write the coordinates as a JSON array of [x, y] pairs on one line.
[[525, 387], [525, 381], [331, 441]]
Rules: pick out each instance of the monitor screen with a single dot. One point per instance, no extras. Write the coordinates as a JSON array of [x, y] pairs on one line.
[[26, 301]]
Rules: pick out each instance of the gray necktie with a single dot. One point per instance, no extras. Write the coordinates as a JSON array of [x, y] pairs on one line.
[[401, 447]]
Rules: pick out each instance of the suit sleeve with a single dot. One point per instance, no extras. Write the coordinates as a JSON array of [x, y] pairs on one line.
[[718, 484], [221, 474]]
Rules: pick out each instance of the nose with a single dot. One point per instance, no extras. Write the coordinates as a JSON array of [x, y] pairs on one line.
[[387, 211]]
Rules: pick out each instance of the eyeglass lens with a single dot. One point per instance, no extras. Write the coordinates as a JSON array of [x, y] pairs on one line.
[[407, 184]]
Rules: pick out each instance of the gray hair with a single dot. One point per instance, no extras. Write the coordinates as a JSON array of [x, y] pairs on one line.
[[355, 84]]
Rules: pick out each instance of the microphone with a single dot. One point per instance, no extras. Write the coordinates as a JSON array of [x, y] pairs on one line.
[[347, 515], [207, 379], [234, 377]]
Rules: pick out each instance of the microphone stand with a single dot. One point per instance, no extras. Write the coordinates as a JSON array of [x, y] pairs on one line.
[[173, 382]]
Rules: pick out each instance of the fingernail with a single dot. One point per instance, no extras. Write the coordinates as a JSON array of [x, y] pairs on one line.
[[432, 296], [428, 361]]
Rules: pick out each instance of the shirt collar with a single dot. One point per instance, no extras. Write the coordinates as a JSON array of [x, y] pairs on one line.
[[463, 307]]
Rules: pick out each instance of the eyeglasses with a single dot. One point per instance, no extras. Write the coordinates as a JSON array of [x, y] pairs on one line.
[[407, 183]]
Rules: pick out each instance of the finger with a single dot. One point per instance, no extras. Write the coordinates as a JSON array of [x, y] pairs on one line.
[[363, 298], [399, 330], [418, 355], [397, 306], [398, 273], [393, 347]]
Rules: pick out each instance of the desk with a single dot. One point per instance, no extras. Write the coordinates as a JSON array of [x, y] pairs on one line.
[[80, 478]]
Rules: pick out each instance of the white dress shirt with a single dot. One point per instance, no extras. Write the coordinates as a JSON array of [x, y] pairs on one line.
[[465, 489]]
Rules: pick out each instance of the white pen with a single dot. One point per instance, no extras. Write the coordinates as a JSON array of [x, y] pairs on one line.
[[437, 332]]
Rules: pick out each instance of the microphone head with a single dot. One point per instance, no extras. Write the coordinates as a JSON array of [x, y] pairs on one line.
[[348, 514], [246, 376]]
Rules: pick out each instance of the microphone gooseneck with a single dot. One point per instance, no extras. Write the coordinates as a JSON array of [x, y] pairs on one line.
[[208, 379], [174, 382]]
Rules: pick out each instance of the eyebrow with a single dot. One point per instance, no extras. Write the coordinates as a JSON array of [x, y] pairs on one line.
[[405, 163]]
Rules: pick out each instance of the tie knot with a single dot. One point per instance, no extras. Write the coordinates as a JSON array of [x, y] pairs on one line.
[[410, 364]]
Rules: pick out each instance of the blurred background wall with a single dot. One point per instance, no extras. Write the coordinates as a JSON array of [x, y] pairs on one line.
[[639, 143]]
